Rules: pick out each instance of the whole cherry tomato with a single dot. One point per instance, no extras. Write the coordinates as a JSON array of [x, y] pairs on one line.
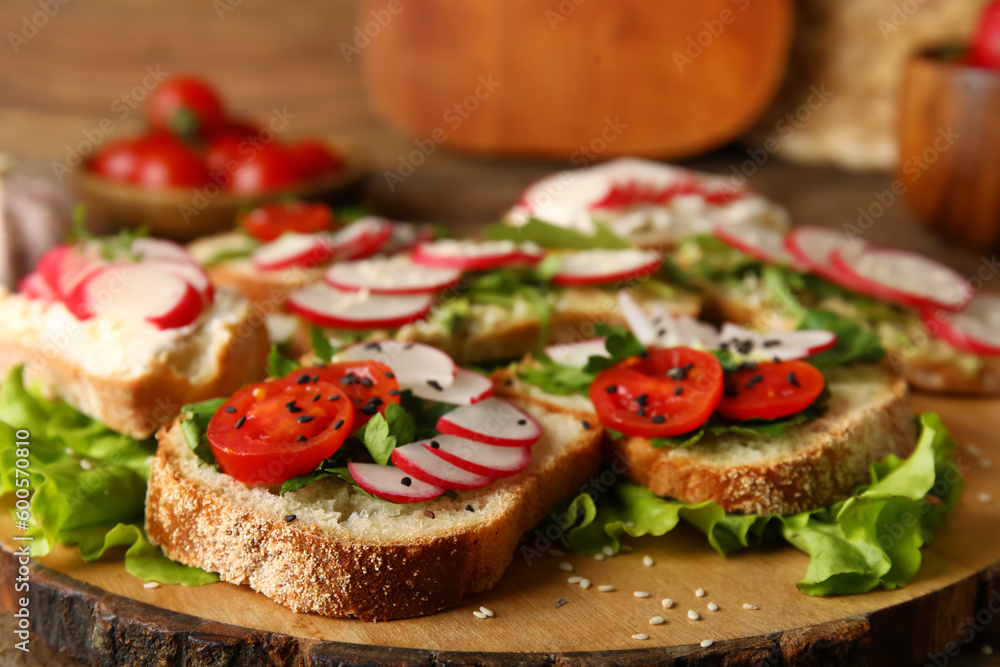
[[166, 162], [314, 158], [185, 106], [119, 160], [269, 221], [263, 168]]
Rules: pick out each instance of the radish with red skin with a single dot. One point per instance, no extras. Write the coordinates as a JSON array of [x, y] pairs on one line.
[[906, 278], [422, 464], [974, 330], [577, 354], [594, 267], [467, 255], [467, 388], [137, 291], [493, 421], [362, 238], [50, 266], [34, 286], [160, 249], [328, 307], [390, 275], [391, 483], [413, 364], [290, 250], [783, 345], [813, 246], [660, 328], [765, 245], [479, 457], [192, 273], [77, 264]]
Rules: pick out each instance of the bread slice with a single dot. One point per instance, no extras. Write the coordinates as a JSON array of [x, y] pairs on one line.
[[348, 554], [806, 467], [133, 379]]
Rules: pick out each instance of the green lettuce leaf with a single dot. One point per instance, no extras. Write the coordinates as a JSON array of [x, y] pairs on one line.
[[562, 380], [869, 540], [321, 346], [194, 425], [279, 364], [382, 434], [144, 560], [854, 343], [551, 236]]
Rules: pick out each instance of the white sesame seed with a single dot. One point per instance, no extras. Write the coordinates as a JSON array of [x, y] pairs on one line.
[[487, 611], [69, 451], [605, 588], [608, 551], [700, 593], [565, 567], [986, 463], [558, 553], [85, 464], [657, 620], [713, 607], [574, 580], [667, 603], [975, 451], [630, 524], [599, 557], [693, 615], [151, 584], [479, 614], [984, 497], [640, 636], [585, 583], [986, 649], [641, 594], [647, 561], [706, 643], [750, 607]]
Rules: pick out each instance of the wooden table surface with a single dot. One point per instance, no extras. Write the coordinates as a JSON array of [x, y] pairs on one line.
[[57, 85]]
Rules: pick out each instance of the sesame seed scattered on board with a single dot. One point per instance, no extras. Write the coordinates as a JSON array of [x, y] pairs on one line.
[[605, 588], [640, 637], [667, 603], [983, 497], [700, 593], [640, 594], [986, 463], [585, 583], [558, 553], [574, 580], [608, 551], [975, 451], [479, 614], [151, 584], [693, 615], [986, 649], [565, 567], [560, 602], [599, 557], [708, 642], [713, 607], [647, 561], [487, 611], [750, 607], [657, 620]]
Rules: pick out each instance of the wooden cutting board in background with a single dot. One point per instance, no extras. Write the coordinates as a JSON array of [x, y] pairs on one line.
[[564, 78]]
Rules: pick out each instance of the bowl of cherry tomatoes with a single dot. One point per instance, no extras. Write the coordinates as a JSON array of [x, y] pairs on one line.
[[196, 167]]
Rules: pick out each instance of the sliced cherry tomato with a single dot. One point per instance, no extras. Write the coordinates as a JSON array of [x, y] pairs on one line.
[[272, 431], [314, 158], [772, 390], [369, 385], [118, 161], [262, 168], [985, 50], [166, 162], [270, 221], [186, 107], [664, 393]]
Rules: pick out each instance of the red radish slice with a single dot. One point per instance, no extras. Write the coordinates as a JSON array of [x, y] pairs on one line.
[[391, 483], [391, 275], [762, 244], [660, 328], [137, 291], [783, 345], [34, 286], [975, 329], [469, 255], [328, 307], [813, 247], [77, 264], [422, 464], [478, 457], [904, 277], [50, 266], [576, 354], [192, 273], [413, 364], [291, 250], [406, 235], [591, 267], [159, 249], [468, 388], [362, 238], [493, 421]]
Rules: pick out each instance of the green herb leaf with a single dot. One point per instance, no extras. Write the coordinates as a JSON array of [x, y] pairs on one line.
[[854, 344], [278, 364], [321, 344], [383, 433], [551, 236], [331, 467], [194, 425]]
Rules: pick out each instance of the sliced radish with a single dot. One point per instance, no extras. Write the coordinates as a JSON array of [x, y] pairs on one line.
[[468, 255], [493, 421], [329, 307], [362, 238], [392, 484], [468, 387], [137, 291], [763, 244], [290, 250], [478, 457], [975, 329], [50, 266], [159, 249], [414, 364], [417, 460], [406, 235], [660, 328], [576, 354], [192, 273], [813, 247], [904, 277], [34, 286], [591, 267], [782, 345], [77, 264], [391, 275]]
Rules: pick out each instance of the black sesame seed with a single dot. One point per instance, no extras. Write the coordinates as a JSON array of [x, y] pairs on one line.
[[429, 514], [242, 420], [375, 400], [641, 399], [678, 391], [688, 367], [771, 343], [230, 408], [730, 391], [560, 602], [373, 346], [777, 360], [509, 382], [390, 375], [395, 392], [611, 388], [661, 333], [315, 379], [659, 419], [792, 380], [435, 444], [290, 404], [757, 378], [302, 438], [644, 354], [434, 384], [316, 398], [289, 518], [333, 397], [408, 346], [303, 379], [369, 410], [641, 412], [367, 382], [468, 508], [586, 424], [406, 481], [304, 419], [522, 422], [743, 346], [294, 408], [340, 422]]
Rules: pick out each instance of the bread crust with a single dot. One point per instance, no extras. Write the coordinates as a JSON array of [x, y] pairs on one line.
[[309, 569], [831, 462], [267, 290]]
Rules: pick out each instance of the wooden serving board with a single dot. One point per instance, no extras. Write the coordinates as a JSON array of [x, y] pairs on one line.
[[102, 615]]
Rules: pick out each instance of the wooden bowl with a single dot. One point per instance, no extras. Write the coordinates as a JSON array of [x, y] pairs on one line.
[[949, 139], [183, 215], [569, 79]]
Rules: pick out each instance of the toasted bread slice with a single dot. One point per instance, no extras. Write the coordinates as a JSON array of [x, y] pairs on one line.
[[133, 379], [806, 467], [349, 554]]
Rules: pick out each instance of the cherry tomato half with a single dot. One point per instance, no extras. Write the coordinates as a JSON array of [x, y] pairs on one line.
[[664, 393], [272, 431], [166, 162], [369, 385], [119, 160], [270, 221], [186, 107], [314, 158], [772, 390], [263, 168]]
